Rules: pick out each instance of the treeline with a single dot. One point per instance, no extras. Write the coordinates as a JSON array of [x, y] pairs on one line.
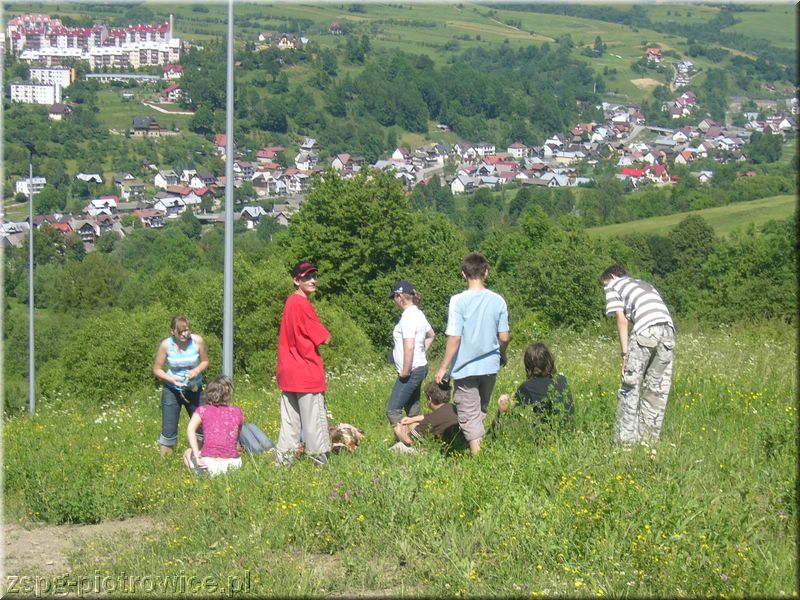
[[100, 315]]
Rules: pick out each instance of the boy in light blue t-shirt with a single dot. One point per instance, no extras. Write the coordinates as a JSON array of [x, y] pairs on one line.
[[477, 338]]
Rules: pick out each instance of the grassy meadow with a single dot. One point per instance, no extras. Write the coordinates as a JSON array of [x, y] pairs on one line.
[[769, 22], [723, 219], [712, 512], [117, 113]]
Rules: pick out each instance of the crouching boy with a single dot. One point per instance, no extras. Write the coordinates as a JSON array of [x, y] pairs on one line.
[[441, 422]]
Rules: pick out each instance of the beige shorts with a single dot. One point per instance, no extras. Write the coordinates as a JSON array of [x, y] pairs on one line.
[[471, 398]]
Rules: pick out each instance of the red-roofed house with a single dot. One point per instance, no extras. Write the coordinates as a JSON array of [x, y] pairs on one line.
[[172, 93], [517, 150], [265, 155], [340, 161], [658, 173], [173, 71], [684, 157], [654, 55], [632, 172], [220, 143]]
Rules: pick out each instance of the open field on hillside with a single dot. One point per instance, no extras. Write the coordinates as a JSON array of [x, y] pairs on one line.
[[712, 512], [723, 219], [775, 22], [691, 14], [117, 113]]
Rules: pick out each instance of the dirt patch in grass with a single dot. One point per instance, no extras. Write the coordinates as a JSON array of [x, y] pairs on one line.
[[44, 549], [646, 83]]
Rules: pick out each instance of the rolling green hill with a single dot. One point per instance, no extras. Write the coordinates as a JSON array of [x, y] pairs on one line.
[[724, 219], [444, 30]]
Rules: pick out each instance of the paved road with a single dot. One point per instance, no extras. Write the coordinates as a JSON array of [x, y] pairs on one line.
[[634, 133]]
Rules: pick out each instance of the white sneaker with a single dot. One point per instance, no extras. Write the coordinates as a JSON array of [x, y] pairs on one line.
[[401, 447]]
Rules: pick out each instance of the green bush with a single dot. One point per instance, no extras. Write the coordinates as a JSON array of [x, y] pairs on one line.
[[349, 345], [110, 354]]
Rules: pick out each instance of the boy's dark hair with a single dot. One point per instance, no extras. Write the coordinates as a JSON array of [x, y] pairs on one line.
[[539, 361], [612, 271], [219, 391], [438, 393], [474, 265]]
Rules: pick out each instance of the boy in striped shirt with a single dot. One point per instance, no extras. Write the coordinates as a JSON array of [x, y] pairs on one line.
[[647, 354]]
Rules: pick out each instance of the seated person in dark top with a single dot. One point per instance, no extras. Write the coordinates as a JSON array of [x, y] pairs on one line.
[[441, 422], [548, 397]]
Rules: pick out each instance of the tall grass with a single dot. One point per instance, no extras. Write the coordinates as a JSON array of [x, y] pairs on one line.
[[712, 512]]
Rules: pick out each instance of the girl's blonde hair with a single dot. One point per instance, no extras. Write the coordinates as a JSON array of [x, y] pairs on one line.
[[219, 391], [179, 319], [416, 297]]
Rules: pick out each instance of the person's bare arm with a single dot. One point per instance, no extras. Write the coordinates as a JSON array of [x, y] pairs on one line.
[[410, 420], [622, 331], [408, 357], [504, 337], [191, 436], [429, 335], [203, 365], [453, 342]]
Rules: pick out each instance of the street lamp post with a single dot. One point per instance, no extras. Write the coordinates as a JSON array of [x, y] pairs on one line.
[[227, 285], [31, 368]]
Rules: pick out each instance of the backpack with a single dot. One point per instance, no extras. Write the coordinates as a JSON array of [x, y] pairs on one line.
[[253, 440]]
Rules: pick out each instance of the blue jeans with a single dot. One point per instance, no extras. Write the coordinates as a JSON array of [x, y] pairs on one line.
[[171, 403], [405, 395]]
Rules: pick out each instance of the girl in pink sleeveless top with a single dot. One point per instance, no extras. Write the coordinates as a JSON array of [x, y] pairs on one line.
[[221, 423]]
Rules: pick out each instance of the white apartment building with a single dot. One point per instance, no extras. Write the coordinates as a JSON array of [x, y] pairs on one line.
[[62, 76], [37, 183], [29, 21], [41, 40], [52, 58], [135, 54], [35, 93]]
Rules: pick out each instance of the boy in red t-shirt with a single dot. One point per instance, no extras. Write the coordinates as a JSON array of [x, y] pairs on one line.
[[300, 373]]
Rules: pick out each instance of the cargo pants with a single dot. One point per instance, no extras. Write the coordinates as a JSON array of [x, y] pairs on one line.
[[648, 365], [303, 413]]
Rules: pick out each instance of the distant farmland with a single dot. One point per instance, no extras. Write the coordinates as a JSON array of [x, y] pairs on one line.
[[723, 219]]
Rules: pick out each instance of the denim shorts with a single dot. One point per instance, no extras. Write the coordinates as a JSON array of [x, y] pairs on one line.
[[171, 403], [405, 395]]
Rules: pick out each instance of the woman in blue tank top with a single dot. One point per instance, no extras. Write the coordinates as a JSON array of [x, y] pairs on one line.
[[184, 354]]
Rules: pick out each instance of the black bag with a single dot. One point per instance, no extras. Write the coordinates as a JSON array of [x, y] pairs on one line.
[[253, 440]]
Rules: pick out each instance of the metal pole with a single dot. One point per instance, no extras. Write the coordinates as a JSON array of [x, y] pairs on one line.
[[227, 290], [31, 367]]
